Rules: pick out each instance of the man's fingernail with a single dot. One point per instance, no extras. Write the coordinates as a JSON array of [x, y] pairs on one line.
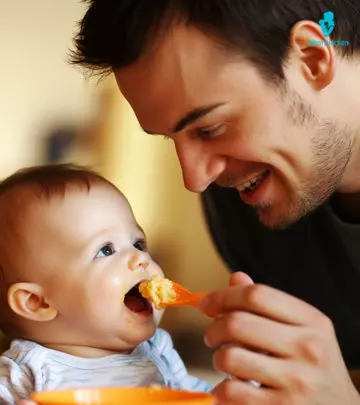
[[206, 341]]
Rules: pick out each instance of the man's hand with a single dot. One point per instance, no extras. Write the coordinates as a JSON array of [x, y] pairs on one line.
[[26, 403], [278, 340]]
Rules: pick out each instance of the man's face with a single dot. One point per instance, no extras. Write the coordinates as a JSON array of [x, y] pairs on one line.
[[235, 128]]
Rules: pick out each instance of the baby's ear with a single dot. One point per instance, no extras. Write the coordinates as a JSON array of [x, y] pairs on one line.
[[28, 301]]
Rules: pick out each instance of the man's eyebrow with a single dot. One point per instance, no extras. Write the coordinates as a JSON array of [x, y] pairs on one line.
[[193, 116], [190, 117]]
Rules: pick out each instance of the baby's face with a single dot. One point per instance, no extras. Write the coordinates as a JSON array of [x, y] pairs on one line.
[[88, 252]]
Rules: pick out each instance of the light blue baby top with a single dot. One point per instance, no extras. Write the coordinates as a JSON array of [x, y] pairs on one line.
[[28, 366]]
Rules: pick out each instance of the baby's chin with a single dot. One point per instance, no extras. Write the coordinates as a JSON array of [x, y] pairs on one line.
[[125, 340], [134, 340], [139, 325]]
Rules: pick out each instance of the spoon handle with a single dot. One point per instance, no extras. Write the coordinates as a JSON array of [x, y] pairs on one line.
[[196, 297]]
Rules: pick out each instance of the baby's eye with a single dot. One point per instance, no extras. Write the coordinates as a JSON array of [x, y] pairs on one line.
[[140, 245], [106, 250]]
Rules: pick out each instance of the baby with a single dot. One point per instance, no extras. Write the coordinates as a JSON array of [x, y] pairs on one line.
[[71, 259]]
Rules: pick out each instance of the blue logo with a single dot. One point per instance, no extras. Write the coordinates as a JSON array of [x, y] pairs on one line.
[[327, 24]]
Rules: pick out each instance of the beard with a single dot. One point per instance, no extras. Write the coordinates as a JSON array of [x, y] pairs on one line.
[[332, 146]]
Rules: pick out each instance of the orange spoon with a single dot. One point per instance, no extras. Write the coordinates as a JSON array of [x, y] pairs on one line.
[[165, 293], [184, 297]]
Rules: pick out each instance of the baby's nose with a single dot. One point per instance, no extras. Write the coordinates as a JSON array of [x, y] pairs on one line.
[[138, 261]]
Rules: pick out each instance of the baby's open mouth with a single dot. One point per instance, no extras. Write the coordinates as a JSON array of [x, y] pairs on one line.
[[135, 302]]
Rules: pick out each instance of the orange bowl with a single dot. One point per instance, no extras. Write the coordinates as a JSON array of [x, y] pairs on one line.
[[122, 396]]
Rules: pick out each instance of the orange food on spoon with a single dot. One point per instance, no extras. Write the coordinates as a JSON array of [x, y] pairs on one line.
[[166, 293]]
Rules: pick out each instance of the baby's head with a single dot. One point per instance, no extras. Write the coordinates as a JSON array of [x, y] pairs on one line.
[[70, 251]]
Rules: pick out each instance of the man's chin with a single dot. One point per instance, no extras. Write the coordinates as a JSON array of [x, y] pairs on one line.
[[276, 219]]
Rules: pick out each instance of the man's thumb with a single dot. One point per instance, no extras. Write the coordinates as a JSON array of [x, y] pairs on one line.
[[240, 278]]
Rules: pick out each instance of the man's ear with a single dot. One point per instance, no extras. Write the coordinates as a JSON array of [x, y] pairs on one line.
[[308, 45], [27, 300]]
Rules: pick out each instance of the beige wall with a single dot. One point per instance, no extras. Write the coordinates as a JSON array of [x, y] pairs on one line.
[[38, 88]]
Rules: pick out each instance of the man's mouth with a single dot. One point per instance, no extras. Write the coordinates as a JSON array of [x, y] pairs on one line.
[[135, 302], [252, 183]]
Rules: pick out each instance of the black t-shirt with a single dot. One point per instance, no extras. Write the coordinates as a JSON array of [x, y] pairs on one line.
[[310, 260]]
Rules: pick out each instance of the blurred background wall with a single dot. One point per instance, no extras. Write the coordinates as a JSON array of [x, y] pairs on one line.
[[50, 114]]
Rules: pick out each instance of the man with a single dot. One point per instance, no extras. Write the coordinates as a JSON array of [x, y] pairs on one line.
[[262, 107]]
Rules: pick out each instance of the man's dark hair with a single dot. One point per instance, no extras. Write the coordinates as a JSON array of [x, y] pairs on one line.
[[115, 33]]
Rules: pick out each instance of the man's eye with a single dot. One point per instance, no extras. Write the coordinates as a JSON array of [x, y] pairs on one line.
[[106, 250], [208, 133], [140, 245]]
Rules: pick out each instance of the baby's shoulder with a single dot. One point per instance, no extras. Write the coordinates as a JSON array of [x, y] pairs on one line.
[[23, 353], [20, 371]]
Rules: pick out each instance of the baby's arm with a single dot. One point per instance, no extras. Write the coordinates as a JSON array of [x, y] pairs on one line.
[[176, 366], [15, 381]]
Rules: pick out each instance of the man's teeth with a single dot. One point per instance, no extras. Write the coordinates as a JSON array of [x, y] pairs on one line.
[[252, 183]]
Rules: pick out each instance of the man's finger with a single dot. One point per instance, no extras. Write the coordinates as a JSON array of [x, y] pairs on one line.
[[253, 331], [233, 392], [250, 366], [263, 300], [240, 278]]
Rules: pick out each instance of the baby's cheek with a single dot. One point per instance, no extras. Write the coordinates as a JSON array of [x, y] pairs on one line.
[[112, 284], [129, 320]]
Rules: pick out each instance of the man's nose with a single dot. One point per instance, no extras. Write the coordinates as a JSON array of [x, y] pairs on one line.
[[199, 164], [138, 260]]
